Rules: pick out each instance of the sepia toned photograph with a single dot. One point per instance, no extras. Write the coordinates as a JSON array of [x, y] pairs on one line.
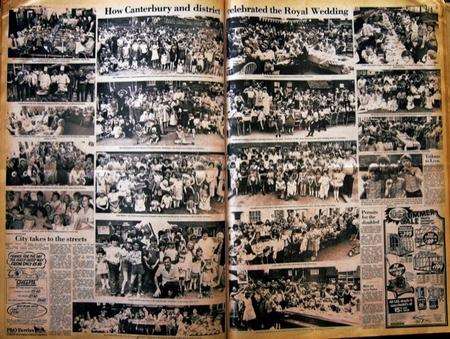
[[292, 173], [157, 258], [290, 109], [51, 82], [50, 120], [174, 183], [396, 36], [400, 133], [180, 321], [274, 46], [47, 32], [394, 176], [55, 211], [287, 298], [157, 45], [398, 91], [50, 164], [162, 113], [274, 236]]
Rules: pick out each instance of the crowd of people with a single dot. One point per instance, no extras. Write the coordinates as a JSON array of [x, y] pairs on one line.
[[159, 183], [183, 321], [259, 304], [49, 211], [45, 32], [160, 45], [316, 170], [389, 178], [396, 37], [407, 133], [263, 107], [168, 262], [50, 164], [152, 113], [43, 82], [399, 90], [51, 121], [292, 47], [295, 238]]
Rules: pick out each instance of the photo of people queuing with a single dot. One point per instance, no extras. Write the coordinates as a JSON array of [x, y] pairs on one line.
[[295, 236], [160, 45], [400, 133], [279, 46], [391, 176], [50, 164], [164, 113], [45, 32], [160, 259], [295, 297], [290, 108], [56, 211], [396, 36], [307, 172], [179, 321], [160, 183], [398, 91], [31, 120], [51, 82]]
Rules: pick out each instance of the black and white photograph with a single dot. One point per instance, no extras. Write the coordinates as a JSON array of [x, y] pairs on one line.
[[54, 211], [160, 45], [157, 258], [47, 32], [292, 173], [275, 236], [277, 299], [394, 176], [64, 82], [46, 163], [290, 109], [161, 113], [274, 46], [385, 134], [152, 183], [396, 36], [179, 321], [50, 120], [398, 91]]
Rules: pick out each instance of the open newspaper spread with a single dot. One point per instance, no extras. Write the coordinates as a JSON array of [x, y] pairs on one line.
[[224, 169]]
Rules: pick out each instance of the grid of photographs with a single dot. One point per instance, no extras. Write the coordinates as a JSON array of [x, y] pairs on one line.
[[325, 117], [116, 128]]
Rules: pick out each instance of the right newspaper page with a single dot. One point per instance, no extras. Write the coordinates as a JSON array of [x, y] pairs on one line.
[[337, 163]]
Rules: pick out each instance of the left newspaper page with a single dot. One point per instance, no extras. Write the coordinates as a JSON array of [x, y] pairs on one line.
[[114, 149]]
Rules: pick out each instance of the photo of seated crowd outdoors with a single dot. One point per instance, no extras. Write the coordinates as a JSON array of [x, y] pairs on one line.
[[50, 164], [57, 211], [160, 259], [398, 91], [299, 236], [393, 176], [290, 108], [295, 297], [277, 46], [400, 134], [51, 82], [45, 32], [179, 321], [160, 183], [306, 172], [163, 113], [160, 45], [396, 36], [30, 120]]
